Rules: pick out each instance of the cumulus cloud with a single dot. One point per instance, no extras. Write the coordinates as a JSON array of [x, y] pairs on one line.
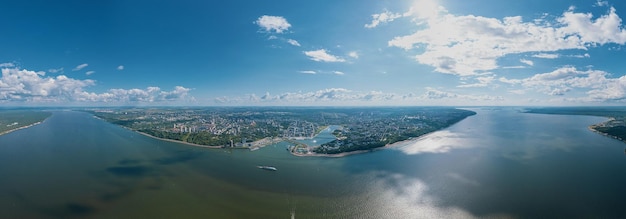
[[7, 65], [79, 67], [30, 86], [276, 24], [25, 85], [597, 85], [482, 82], [293, 42], [432, 93], [382, 18], [322, 55], [342, 96], [468, 44], [325, 96], [121, 67]]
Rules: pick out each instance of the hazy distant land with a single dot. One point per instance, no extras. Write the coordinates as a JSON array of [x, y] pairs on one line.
[[614, 127], [11, 120], [358, 129]]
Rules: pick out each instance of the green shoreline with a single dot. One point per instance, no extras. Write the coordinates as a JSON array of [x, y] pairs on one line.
[[22, 127]]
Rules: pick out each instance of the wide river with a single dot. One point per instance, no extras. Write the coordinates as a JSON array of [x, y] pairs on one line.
[[499, 163]]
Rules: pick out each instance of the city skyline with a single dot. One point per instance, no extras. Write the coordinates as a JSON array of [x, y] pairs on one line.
[[312, 53]]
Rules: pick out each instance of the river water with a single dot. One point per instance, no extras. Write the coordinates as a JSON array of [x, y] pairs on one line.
[[498, 163]]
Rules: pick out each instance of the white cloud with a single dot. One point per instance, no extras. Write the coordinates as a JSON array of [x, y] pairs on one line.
[[432, 93], [382, 18], [121, 67], [148, 95], [482, 82], [353, 54], [293, 42], [468, 44], [25, 85], [308, 72], [79, 67], [90, 72], [22, 85], [519, 92], [513, 67], [425, 10], [601, 3], [526, 61], [345, 97], [338, 73], [597, 85], [275, 24], [605, 29], [322, 55], [7, 65], [58, 70], [330, 96], [546, 55], [586, 55], [179, 92]]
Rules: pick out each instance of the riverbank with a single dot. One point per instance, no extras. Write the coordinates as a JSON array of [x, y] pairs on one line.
[[313, 154], [22, 127], [602, 124], [177, 141], [255, 144], [343, 154]]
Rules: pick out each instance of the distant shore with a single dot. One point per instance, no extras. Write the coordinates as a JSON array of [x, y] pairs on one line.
[[22, 127]]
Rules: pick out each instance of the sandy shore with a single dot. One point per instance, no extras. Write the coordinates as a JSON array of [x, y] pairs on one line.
[[387, 146], [177, 141], [313, 154], [23, 127]]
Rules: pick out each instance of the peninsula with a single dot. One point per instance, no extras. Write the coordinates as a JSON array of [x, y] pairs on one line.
[[355, 129]]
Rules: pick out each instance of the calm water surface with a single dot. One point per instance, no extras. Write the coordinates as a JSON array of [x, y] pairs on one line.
[[499, 163]]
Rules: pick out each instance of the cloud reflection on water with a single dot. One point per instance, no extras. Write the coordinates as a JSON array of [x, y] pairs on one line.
[[400, 196], [436, 142]]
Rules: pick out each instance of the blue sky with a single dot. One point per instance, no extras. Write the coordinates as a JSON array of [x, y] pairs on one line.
[[420, 52]]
